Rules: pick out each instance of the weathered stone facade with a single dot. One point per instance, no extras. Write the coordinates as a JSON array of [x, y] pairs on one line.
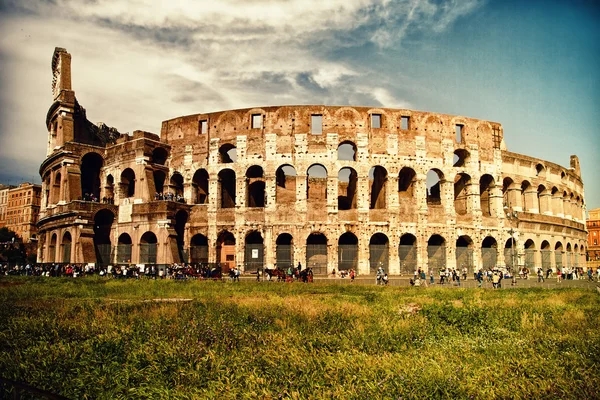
[[329, 187]]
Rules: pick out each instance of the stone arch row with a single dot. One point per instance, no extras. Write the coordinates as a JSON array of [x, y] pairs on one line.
[[543, 199], [543, 254]]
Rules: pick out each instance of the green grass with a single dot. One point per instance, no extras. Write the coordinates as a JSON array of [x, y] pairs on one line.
[[96, 338]]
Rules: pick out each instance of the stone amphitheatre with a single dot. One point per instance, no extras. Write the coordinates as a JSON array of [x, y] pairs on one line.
[[330, 187]]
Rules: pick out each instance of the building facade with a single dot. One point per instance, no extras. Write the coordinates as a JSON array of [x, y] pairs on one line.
[[3, 203], [593, 243], [328, 187], [23, 210]]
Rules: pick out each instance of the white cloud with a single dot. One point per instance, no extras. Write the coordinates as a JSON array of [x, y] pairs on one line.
[[136, 63]]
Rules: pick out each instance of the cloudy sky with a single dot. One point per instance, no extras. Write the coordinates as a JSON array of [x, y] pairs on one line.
[[531, 65]]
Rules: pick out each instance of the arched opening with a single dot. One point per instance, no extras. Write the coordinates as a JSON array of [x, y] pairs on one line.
[[109, 190], [227, 188], [52, 248], [461, 157], [226, 250], [462, 184], [56, 188], [91, 164], [148, 248], [540, 171], [66, 247], [436, 253], [407, 253], [255, 187], [348, 252], [316, 184], [377, 183], [199, 249], [346, 151], [558, 255], [486, 185], [525, 201], [379, 252], [253, 251], [103, 221], [181, 219], [316, 253], [124, 245], [434, 181], [159, 156], [464, 254], [128, 183], [284, 251], [489, 253], [569, 255], [407, 179], [511, 195], [176, 185], [200, 186], [530, 254], [285, 179], [543, 197], [347, 187], [546, 255], [576, 256], [46, 190], [227, 153], [159, 183]]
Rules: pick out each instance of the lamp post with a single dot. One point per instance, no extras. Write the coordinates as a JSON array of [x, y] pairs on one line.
[[512, 215]]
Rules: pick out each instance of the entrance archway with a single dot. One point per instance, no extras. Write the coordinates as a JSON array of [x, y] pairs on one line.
[[316, 253], [379, 252], [148, 248], [103, 221], [253, 251], [284, 254], [348, 252], [226, 250]]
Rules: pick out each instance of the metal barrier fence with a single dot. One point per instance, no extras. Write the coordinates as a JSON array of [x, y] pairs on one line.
[[378, 257], [408, 259], [316, 258], [347, 257]]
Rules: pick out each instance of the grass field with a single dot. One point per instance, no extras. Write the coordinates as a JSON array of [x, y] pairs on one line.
[[100, 339]]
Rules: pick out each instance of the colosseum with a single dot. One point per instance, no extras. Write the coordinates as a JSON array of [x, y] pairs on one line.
[[330, 187]]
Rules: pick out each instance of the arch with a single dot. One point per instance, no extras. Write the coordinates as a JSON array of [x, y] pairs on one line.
[[199, 249], [407, 179], [464, 253], [379, 252], [56, 188], [434, 185], [407, 253], [253, 251], [176, 184], [285, 189], [200, 186], [109, 189], [569, 254], [103, 221], [65, 246], [486, 185], [148, 248], [540, 170], [489, 252], [227, 187], [347, 151], [52, 248], [461, 157], [558, 255], [546, 255], [316, 253], [530, 251], [159, 181], [347, 188], [316, 183], [378, 181], [284, 250], [91, 164], [347, 251], [181, 218], [510, 255], [226, 250], [159, 156], [227, 153], [526, 203], [128, 183], [255, 187], [543, 200], [124, 245], [462, 183], [436, 253]]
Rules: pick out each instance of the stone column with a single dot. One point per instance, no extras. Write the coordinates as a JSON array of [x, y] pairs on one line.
[[531, 200], [557, 205], [270, 193], [301, 194]]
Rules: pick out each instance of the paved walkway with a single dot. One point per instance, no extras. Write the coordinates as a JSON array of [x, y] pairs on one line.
[[469, 283]]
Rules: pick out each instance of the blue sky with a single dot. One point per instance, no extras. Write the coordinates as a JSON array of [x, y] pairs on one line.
[[532, 66]]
